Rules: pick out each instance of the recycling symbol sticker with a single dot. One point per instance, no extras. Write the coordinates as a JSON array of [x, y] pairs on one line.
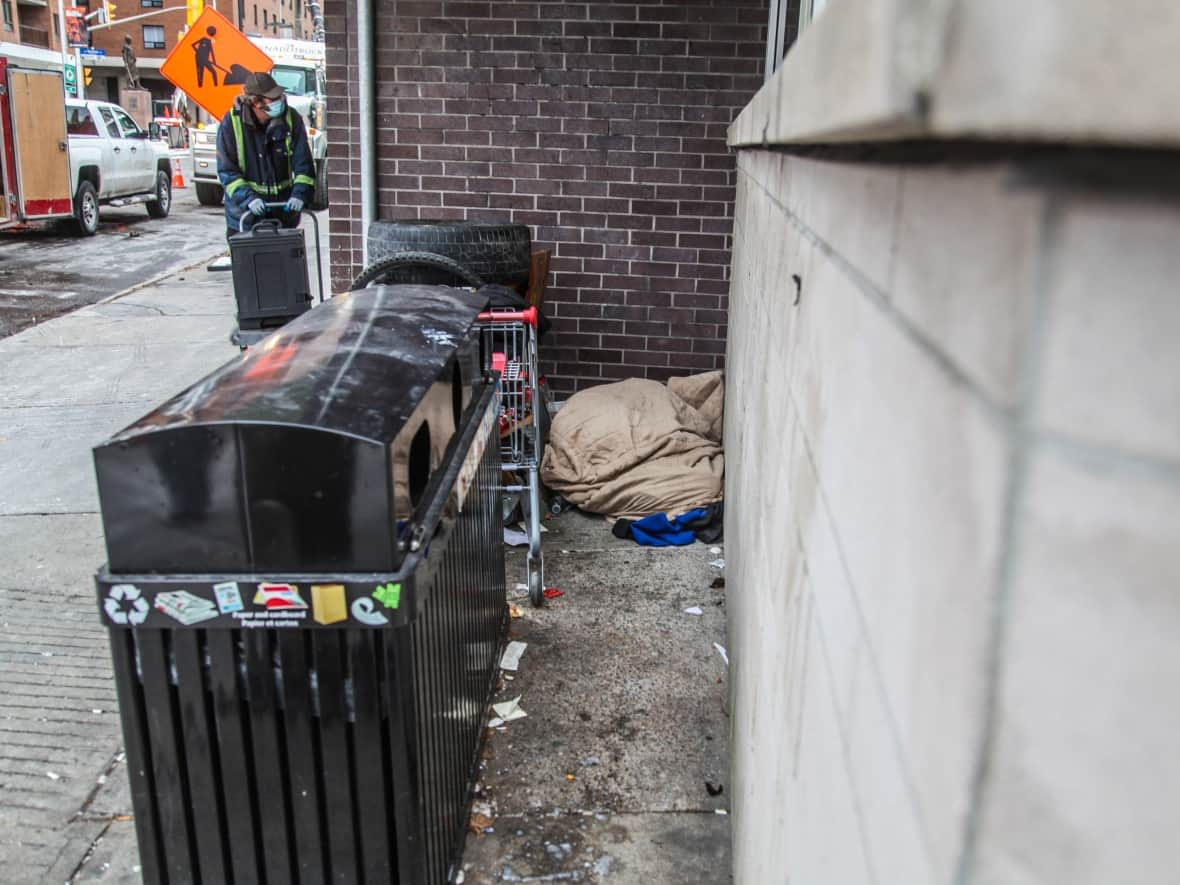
[[125, 605]]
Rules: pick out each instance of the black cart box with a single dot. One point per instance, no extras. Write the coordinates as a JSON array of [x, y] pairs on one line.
[[305, 596], [269, 265]]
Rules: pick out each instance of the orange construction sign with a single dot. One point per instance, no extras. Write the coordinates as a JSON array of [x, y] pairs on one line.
[[212, 61]]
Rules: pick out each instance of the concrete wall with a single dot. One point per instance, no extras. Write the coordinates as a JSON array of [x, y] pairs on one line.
[[953, 462]]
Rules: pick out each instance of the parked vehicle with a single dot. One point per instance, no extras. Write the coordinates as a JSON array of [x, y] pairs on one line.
[[68, 164], [301, 73]]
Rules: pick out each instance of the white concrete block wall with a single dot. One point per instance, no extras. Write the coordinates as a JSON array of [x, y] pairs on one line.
[[910, 451]]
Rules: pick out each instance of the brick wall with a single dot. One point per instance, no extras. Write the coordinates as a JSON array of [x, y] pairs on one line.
[[599, 125]]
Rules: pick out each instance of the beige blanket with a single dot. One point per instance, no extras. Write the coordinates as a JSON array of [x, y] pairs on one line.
[[637, 447]]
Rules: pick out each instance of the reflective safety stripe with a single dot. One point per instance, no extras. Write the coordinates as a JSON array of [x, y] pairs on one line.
[[258, 187], [241, 141]]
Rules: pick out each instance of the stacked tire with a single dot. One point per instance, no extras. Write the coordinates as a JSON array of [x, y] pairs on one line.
[[485, 252]]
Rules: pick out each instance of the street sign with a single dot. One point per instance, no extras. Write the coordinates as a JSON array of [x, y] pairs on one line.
[[71, 79], [211, 62]]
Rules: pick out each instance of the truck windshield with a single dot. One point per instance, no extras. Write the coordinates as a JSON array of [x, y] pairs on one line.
[[296, 81]]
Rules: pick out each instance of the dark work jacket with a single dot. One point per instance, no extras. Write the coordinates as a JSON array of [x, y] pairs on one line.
[[271, 160]]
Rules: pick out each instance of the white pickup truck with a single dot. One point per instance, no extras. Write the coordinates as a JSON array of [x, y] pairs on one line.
[[113, 161], [63, 158]]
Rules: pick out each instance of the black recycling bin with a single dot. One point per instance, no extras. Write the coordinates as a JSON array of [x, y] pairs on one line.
[[305, 596]]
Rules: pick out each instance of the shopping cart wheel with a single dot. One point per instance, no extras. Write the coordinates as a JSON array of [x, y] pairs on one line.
[[536, 582]]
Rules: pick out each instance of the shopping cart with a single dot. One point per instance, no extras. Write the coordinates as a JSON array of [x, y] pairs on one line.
[[510, 340]]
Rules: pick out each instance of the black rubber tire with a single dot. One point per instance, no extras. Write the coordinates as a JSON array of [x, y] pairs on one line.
[[160, 206], [208, 194], [412, 267], [86, 209], [498, 253], [319, 200]]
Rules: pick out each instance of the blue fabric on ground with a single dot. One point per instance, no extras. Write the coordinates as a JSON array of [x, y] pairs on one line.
[[659, 531]]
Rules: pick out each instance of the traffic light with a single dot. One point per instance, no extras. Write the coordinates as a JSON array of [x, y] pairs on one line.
[[109, 9], [87, 75]]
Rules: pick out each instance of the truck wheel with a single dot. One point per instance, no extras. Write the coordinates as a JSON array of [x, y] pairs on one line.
[[86, 209], [208, 194], [497, 253], [158, 208], [319, 200]]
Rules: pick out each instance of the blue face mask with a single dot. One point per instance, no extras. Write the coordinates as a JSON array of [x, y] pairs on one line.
[[275, 108]]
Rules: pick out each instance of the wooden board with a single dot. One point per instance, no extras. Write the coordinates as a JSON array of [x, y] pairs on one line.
[[43, 163]]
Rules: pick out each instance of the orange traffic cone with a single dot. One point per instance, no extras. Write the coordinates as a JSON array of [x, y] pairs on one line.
[[177, 175]]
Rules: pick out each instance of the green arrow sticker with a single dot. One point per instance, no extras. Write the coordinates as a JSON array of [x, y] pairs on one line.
[[389, 595]]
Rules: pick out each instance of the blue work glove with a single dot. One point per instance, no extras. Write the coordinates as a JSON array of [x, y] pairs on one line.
[[294, 205], [257, 206]]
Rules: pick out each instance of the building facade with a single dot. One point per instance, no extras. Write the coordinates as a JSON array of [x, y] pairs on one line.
[[601, 126]]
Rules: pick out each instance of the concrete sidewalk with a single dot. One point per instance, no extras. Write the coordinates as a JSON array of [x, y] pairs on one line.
[[605, 780]]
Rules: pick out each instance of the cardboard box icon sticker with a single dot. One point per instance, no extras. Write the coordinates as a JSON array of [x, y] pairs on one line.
[[328, 605]]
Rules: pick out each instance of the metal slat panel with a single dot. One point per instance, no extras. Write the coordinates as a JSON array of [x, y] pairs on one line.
[[133, 714], [373, 797], [336, 756], [243, 827], [199, 755], [269, 752], [303, 759], [180, 861]]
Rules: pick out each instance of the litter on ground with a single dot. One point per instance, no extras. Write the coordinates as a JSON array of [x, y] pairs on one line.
[[510, 660]]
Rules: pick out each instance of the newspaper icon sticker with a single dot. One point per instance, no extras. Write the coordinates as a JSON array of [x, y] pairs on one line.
[[125, 605], [327, 603], [182, 606], [279, 597], [229, 597], [389, 595], [365, 611]]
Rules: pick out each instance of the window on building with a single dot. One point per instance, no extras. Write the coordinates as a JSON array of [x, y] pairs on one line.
[[255, 16], [158, 4], [7, 6], [153, 36], [264, 22]]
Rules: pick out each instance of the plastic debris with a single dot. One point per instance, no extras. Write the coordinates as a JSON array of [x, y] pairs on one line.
[[514, 538], [53, 775], [514, 610], [519, 590], [715, 550], [721, 651], [570, 776], [720, 811], [507, 711], [552, 592], [510, 660], [718, 563], [694, 610]]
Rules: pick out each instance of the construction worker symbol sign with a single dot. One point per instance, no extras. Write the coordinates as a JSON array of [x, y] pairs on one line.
[[212, 61]]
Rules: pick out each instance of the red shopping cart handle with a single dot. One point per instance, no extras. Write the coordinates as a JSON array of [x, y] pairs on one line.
[[528, 315]]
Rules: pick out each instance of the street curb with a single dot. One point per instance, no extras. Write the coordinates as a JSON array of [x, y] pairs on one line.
[[158, 278]]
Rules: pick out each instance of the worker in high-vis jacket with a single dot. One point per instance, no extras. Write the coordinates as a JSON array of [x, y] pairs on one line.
[[263, 157]]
